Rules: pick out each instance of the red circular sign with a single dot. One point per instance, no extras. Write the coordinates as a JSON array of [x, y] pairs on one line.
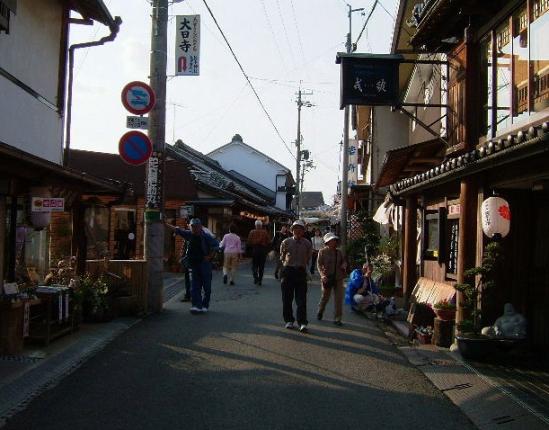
[[138, 97], [135, 148]]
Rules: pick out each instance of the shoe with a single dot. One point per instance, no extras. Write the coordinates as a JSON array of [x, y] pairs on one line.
[[276, 275], [231, 283], [258, 282], [224, 279], [338, 323], [185, 299], [195, 310], [204, 310], [289, 325], [303, 328], [319, 316]]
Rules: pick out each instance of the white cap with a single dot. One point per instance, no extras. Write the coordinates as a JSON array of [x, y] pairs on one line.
[[330, 236], [297, 223], [258, 223]]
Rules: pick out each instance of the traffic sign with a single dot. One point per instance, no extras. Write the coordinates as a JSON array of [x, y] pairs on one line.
[[138, 97], [135, 148], [141, 122]]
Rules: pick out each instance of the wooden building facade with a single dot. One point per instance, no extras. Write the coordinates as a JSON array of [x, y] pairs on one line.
[[492, 138]]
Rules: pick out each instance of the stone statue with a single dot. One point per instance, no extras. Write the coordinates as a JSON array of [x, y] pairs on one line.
[[511, 325]]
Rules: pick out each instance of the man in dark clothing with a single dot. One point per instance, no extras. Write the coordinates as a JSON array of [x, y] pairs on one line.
[[277, 241], [295, 253], [259, 241], [200, 250]]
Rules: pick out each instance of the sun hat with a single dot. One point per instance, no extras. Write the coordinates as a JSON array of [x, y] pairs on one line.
[[330, 236], [195, 221], [298, 223]]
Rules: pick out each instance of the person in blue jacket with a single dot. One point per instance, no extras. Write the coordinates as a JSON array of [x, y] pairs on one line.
[[360, 285], [200, 251]]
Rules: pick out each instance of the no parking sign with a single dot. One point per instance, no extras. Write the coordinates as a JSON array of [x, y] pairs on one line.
[[135, 148]]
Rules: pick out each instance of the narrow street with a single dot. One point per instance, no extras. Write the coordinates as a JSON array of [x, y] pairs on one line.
[[237, 367]]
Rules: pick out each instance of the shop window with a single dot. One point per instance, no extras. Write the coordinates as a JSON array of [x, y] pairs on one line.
[[97, 232], [434, 235]]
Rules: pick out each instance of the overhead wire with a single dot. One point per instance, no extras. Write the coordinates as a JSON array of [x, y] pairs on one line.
[[286, 33], [275, 39], [367, 20], [299, 36], [248, 79]]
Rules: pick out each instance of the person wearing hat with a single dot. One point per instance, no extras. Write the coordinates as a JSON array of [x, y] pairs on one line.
[[259, 240], [200, 250], [332, 268], [295, 253]]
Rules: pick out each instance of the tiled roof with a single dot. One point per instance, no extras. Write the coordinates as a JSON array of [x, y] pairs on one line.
[[476, 159]]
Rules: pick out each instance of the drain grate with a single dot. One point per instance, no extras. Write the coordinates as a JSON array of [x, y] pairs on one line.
[[503, 420], [458, 387]]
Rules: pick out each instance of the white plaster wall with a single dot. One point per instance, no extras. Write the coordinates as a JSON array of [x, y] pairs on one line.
[[31, 52], [249, 163], [390, 132]]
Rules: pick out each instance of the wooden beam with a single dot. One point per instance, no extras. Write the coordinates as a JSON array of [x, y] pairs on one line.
[[409, 273], [425, 160]]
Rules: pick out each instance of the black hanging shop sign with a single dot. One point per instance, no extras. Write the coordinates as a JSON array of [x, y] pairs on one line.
[[369, 79]]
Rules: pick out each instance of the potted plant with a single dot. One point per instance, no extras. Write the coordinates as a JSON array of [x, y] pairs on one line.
[[471, 343], [424, 334], [445, 310]]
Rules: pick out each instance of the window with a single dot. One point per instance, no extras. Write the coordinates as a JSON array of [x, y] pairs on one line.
[[434, 240], [515, 68]]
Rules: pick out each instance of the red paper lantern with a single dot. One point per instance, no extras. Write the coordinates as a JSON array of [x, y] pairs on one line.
[[496, 217]]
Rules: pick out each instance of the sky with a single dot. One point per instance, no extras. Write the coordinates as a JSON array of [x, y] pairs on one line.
[[283, 45]]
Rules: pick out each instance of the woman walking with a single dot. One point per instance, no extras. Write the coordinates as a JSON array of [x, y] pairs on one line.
[[332, 267], [318, 244], [232, 249]]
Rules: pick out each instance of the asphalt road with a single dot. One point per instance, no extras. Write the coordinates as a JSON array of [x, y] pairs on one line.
[[238, 368]]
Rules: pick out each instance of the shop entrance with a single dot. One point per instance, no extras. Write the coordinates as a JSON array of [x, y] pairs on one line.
[[124, 233]]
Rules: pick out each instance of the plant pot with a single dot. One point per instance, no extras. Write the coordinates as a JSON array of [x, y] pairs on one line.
[[475, 347], [423, 338], [446, 314]]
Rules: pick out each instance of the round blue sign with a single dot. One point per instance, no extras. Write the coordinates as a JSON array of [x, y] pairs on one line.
[[135, 148]]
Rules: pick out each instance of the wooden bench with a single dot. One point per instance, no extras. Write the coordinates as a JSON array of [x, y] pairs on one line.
[[429, 292]]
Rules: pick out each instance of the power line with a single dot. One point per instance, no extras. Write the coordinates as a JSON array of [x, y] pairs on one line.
[[247, 79], [366, 22], [285, 33], [273, 34], [298, 34]]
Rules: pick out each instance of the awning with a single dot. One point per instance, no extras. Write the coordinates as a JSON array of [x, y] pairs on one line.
[[409, 160], [15, 163]]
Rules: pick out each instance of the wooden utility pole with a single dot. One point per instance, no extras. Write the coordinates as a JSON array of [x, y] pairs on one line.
[[154, 202]]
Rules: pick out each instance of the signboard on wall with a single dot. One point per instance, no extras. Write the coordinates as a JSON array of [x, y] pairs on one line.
[[47, 204], [352, 174], [187, 45], [368, 79]]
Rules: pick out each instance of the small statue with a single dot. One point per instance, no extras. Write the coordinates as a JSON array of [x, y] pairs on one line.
[[511, 325]]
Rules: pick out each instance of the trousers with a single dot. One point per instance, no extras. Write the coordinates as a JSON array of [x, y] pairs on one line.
[[294, 286], [339, 292], [201, 281], [259, 256]]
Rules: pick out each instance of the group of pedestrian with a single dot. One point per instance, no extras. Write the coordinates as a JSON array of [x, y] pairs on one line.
[[296, 255]]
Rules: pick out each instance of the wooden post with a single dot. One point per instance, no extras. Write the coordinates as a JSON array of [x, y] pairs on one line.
[[2, 238], [467, 236], [409, 274]]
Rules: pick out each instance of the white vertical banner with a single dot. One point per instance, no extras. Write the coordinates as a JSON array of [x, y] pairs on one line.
[[187, 45], [353, 164]]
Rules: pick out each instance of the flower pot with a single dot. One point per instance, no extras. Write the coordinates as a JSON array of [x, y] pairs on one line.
[[475, 347], [446, 314]]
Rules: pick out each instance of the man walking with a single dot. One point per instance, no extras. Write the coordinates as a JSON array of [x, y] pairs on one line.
[[259, 241], [200, 250], [295, 253]]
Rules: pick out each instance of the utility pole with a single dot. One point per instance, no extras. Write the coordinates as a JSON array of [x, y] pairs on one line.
[[299, 183], [345, 160], [154, 203]]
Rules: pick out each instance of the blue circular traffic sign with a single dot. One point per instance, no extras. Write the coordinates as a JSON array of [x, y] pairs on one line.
[[135, 148]]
